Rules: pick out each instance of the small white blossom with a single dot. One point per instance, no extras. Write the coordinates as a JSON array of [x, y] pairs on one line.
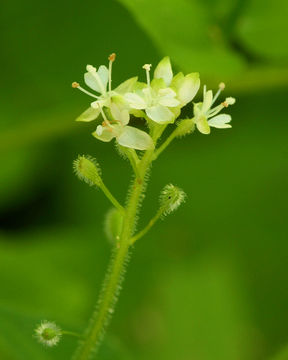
[[205, 116], [126, 136], [163, 98]]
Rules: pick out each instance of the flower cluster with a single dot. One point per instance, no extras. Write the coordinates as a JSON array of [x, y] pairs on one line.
[[158, 101]]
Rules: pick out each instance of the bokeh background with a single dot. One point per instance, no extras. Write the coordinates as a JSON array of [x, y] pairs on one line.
[[209, 282]]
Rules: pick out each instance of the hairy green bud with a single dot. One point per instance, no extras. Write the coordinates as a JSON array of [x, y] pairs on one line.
[[184, 127], [48, 333], [113, 225], [88, 170], [171, 198]]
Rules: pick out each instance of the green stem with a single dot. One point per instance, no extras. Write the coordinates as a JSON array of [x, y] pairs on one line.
[[161, 148], [114, 276], [108, 194], [147, 227], [71, 333]]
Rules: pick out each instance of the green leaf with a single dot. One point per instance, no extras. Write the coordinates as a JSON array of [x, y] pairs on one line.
[[262, 28], [282, 355], [189, 32]]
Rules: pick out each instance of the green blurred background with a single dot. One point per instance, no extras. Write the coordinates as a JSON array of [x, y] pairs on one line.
[[209, 283]]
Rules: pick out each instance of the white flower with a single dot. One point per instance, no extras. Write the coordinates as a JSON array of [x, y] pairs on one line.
[[206, 116], [48, 333], [126, 136], [155, 101], [164, 97], [186, 87], [99, 80]]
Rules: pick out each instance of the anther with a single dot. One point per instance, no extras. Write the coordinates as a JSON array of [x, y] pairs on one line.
[[75, 85], [229, 101], [222, 86], [112, 57], [147, 67]]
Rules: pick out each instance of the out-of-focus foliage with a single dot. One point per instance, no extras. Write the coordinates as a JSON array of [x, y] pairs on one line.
[[210, 282]]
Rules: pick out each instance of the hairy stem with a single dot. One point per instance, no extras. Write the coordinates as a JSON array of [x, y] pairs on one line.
[[114, 276], [110, 197], [147, 227]]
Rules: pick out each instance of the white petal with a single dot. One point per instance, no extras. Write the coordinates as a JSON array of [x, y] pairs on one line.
[[164, 71], [134, 138], [103, 133], [160, 114], [135, 101], [188, 88], [167, 97], [167, 101], [91, 82], [167, 92], [207, 101], [119, 113], [220, 121], [89, 115], [103, 74], [177, 80]]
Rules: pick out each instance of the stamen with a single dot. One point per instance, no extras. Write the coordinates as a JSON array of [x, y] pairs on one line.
[[147, 67], [104, 116], [221, 88], [76, 85], [111, 59], [204, 91]]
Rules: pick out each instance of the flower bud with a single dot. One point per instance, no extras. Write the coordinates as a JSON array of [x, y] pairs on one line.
[[113, 225], [88, 170], [48, 333], [171, 198], [184, 127]]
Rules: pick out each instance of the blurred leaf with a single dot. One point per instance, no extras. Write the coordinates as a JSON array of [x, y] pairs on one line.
[[282, 355], [189, 32], [262, 28], [205, 315]]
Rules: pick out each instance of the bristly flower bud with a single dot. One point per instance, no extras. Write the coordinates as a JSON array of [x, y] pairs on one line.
[[184, 127], [171, 198], [88, 170], [48, 333]]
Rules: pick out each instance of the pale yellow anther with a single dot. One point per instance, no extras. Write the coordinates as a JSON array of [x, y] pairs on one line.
[[222, 86], [147, 67], [230, 100]]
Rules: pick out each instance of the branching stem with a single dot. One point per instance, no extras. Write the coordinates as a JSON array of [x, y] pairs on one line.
[[111, 198], [114, 276], [147, 227]]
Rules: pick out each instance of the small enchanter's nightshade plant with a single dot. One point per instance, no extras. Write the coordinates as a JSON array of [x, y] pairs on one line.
[[158, 103]]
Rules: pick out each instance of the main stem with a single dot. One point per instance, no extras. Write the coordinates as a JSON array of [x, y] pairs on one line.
[[112, 283]]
